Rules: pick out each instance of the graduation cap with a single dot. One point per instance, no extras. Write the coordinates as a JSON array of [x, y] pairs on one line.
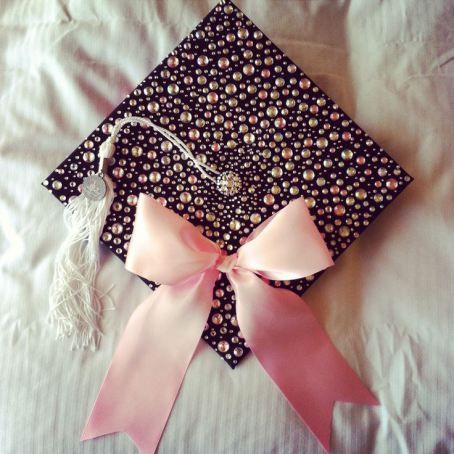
[[255, 123]]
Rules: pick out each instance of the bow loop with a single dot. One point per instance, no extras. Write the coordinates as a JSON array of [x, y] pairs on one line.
[[286, 246], [164, 247]]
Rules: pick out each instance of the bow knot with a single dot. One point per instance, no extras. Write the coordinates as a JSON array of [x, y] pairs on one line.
[[160, 339], [226, 263]]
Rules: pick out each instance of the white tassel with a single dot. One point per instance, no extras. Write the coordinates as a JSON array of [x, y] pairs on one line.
[[75, 305]]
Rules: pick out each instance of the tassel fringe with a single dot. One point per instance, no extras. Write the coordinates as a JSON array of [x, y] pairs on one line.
[[75, 305]]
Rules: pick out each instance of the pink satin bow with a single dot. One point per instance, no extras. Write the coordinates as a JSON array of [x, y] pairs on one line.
[[151, 359]]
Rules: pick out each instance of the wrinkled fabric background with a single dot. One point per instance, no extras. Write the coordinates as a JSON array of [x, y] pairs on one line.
[[387, 304]]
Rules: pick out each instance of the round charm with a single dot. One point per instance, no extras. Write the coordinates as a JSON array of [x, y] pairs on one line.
[[94, 187], [228, 183]]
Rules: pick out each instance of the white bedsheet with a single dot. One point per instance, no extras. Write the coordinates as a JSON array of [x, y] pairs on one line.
[[388, 302]]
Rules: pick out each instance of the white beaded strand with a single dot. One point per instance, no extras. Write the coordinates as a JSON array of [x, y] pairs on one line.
[[228, 183]]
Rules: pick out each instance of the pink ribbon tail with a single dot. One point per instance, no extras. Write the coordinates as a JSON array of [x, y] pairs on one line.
[[150, 362], [296, 353]]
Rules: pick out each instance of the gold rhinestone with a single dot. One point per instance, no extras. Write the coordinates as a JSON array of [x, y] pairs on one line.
[[310, 202], [223, 63], [327, 163], [238, 351], [243, 128], [212, 97], [294, 190], [88, 156], [173, 89], [166, 146], [117, 228], [252, 89], [344, 231], [194, 134], [329, 228], [279, 122], [243, 33], [230, 89], [203, 60], [185, 117], [153, 107], [391, 184], [256, 218], [313, 122], [223, 346], [185, 197], [217, 318], [248, 69], [347, 155], [361, 160], [361, 194], [271, 111], [305, 83], [287, 153], [172, 62], [106, 236], [276, 172], [136, 151], [132, 200], [308, 175], [155, 177], [249, 138], [322, 142], [235, 224], [280, 82], [268, 199], [339, 210]]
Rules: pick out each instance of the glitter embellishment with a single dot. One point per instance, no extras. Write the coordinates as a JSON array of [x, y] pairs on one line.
[[228, 183]]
